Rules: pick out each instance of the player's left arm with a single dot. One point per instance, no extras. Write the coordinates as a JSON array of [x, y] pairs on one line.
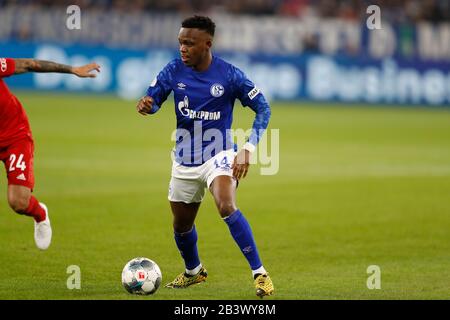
[[241, 162], [33, 65], [250, 96]]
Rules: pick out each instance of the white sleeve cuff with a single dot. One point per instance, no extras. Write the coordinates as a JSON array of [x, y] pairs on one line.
[[248, 146]]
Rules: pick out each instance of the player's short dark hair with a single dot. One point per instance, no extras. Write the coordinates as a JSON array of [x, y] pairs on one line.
[[200, 22]]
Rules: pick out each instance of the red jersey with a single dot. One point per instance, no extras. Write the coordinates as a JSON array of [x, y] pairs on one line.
[[13, 120]]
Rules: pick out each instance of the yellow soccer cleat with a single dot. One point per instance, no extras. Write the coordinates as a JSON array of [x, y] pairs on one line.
[[264, 285], [183, 280]]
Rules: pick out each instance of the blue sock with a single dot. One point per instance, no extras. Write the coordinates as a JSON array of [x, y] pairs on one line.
[[187, 244], [242, 234]]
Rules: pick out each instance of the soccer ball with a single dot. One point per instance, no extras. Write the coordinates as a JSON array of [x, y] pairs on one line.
[[141, 276]]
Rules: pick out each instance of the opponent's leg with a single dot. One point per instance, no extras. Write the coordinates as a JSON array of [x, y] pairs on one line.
[[18, 159], [223, 189], [186, 239], [23, 202]]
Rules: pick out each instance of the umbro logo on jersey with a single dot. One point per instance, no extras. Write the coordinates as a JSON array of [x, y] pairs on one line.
[[181, 85], [21, 177], [3, 64]]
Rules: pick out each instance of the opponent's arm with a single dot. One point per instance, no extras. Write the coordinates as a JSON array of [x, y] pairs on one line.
[[32, 65]]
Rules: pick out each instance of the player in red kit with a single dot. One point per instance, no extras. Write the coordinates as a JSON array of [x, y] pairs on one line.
[[16, 142]]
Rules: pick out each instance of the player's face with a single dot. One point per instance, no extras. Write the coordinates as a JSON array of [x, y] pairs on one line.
[[194, 46]]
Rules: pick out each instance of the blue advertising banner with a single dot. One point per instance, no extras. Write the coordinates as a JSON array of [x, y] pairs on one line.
[[317, 77]]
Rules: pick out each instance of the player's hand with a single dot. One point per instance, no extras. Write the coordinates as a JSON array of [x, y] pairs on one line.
[[145, 105], [241, 164], [86, 71]]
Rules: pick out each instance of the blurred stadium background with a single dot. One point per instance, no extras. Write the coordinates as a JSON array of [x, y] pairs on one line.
[[297, 49], [364, 121]]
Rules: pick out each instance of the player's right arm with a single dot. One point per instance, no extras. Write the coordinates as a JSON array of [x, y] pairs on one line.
[[158, 91], [33, 65], [145, 105]]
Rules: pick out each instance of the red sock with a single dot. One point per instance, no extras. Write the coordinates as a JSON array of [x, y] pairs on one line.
[[35, 210]]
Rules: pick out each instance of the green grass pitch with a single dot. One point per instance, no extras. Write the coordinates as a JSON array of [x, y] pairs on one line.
[[357, 186]]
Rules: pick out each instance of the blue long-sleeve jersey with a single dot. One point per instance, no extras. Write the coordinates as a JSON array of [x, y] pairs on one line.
[[204, 104]]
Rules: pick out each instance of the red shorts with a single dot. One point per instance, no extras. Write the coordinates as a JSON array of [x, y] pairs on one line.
[[18, 160]]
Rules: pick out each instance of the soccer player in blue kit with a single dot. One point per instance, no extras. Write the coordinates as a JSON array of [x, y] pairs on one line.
[[205, 88]]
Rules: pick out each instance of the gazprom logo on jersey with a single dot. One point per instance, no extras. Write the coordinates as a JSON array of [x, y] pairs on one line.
[[183, 107]]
